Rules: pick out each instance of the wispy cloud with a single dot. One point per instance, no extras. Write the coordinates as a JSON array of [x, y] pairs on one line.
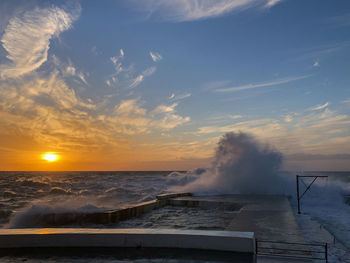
[[262, 84], [340, 21], [315, 53], [183, 96], [216, 84], [130, 108], [137, 81], [82, 77], [310, 132], [288, 118], [166, 117], [94, 50], [164, 109], [189, 10], [271, 3], [316, 64], [320, 107], [116, 60], [155, 56], [69, 70], [124, 76], [180, 96], [27, 38], [49, 112], [136, 119], [347, 101], [236, 116], [222, 118], [234, 127], [46, 111]]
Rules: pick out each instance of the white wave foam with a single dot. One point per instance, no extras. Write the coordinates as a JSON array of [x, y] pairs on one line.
[[241, 165], [46, 214]]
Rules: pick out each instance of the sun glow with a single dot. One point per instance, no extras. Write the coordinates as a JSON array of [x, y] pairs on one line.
[[50, 157]]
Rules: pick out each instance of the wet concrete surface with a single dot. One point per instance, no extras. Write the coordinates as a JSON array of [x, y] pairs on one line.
[[270, 217]]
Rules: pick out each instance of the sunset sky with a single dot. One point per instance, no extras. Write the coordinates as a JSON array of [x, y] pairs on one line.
[[153, 84]]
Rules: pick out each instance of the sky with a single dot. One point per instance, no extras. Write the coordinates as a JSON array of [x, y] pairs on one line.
[[154, 84]]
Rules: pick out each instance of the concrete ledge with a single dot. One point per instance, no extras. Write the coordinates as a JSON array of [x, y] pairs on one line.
[[172, 195], [111, 216], [99, 218], [243, 242], [131, 212]]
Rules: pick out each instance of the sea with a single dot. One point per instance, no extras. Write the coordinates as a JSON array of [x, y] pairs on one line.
[[26, 196]]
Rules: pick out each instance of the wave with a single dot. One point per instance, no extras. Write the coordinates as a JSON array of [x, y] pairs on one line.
[[42, 214], [9, 194], [34, 184], [241, 165], [59, 191]]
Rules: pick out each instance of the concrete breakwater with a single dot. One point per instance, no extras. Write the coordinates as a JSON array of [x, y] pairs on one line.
[[268, 216], [173, 218], [108, 217]]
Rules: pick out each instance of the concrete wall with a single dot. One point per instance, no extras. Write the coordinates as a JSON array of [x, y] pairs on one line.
[[162, 238], [108, 217]]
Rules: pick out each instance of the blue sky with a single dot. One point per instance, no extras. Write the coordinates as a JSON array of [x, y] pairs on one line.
[[153, 84]]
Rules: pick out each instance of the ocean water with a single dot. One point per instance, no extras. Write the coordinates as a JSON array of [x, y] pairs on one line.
[[26, 195]]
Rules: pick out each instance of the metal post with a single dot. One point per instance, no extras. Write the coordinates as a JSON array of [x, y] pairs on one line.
[[307, 186], [326, 252], [298, 194]]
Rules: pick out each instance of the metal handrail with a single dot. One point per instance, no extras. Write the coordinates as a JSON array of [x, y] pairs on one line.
[[275, 251], [292, 243], [289, 256], [288, 249]]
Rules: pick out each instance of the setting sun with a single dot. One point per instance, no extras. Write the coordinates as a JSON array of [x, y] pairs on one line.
[[50, 157]]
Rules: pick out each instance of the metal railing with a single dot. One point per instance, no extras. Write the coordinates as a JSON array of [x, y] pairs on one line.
[[291, 250]]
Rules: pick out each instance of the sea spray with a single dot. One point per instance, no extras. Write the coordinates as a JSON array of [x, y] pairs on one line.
[[325, 204], [241, 165], [54, 214]]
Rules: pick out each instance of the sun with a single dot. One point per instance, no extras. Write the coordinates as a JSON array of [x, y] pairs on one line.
[[50, 157]]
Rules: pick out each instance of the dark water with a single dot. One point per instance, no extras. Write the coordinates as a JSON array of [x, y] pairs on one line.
[[24, 194], [40, 192]]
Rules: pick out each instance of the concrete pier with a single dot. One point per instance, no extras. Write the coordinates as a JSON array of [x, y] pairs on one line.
[[270, 217], [227, 223]]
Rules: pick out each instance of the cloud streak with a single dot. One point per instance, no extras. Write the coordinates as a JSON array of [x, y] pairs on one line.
[[320, 107], [271, 3], [124, 77], [27, 38], [261, 84], [155, 56], [189, 10], [42, 109], [180, 96], [309, 132], [137, 81]]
